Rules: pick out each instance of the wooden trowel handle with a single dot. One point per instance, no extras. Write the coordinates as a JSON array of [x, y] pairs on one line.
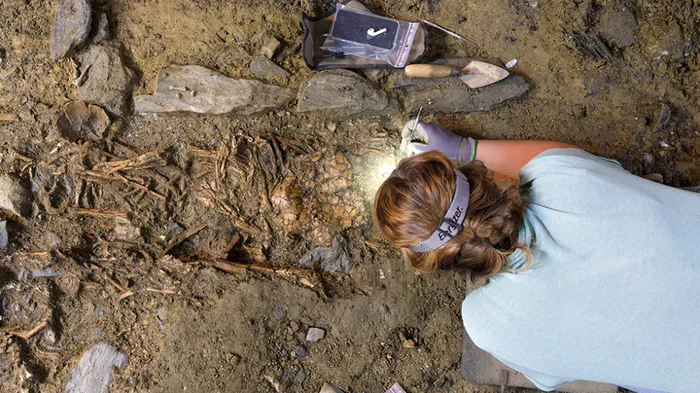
[[430, 71]]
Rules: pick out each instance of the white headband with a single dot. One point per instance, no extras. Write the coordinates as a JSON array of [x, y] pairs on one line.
[[451, 225]]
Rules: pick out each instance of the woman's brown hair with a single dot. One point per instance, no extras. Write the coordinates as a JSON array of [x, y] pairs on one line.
[[413, 200]]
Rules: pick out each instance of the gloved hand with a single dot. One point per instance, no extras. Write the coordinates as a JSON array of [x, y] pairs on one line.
[[434, 137]]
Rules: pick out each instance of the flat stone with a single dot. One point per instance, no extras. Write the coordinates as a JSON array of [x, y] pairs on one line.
[[341, 93], [315, 334], [269, 47], [619, 28], [70, 27], [450, 95], [80, 122], [263, 67], [328, 388], [197, 89], [108, 81], [333, 259], [93, 373], [15, 198]]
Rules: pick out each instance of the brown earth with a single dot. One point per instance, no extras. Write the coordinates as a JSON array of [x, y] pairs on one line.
[[268, 188]]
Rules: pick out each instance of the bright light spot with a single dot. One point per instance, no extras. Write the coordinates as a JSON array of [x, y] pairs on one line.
[[376, 176]]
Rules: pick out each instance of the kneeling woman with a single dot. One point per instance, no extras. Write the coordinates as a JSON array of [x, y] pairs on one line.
[[592, 273]]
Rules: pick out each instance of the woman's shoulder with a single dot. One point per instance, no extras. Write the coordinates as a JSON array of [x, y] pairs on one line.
[[566, 160]]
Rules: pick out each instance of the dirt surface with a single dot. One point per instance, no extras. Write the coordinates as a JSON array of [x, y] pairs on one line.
[[153, 223]]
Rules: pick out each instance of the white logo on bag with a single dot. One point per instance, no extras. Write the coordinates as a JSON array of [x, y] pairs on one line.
[[373, 33]]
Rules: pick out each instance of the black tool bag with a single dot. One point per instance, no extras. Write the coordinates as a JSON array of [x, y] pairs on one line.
[[317, 30]]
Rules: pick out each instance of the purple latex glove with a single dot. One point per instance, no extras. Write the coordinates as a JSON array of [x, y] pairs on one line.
[[434, 137]]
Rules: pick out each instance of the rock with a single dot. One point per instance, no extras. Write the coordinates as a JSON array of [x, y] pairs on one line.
[[294, 325], [275, 382], [341, 93], [233, 359], [453, 96], [3, 235], [409, 343], [124, 230], [48, 272], [315, 334], [102, 32], [263, 67], [300, 351], [198, 89], [82, 122], [619, 28], [15, 198], [333, 259], [595, 85], [328, 388], [93, 373], [269, 47], [108, 81], [71, 26], [300, 377]]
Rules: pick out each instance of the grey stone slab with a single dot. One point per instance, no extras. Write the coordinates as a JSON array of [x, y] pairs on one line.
[[451, 95], [108, 81], [198, 89], [341, 93], [71, 26], [93, 373]]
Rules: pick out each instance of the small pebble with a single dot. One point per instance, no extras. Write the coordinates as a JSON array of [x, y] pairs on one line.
[[409, 343], [511, 63], [178, 95], [301, 377], [294, 325], [233, 359], [315, 334], [300, 351]]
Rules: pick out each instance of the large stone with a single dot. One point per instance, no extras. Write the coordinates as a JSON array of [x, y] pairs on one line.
[[333, 259], [81, 122], [93, 373], [107, 81], [341, 93], [70, 27], [619, 28], [197, 89], [451, 95], [15, 198]]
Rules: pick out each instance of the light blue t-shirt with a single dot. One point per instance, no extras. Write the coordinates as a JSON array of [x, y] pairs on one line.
[[614, 292]]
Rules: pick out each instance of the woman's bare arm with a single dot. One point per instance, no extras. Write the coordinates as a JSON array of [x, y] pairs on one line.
[[508, 157]]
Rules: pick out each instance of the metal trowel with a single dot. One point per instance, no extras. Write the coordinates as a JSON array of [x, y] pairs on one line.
[[476, 74]]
